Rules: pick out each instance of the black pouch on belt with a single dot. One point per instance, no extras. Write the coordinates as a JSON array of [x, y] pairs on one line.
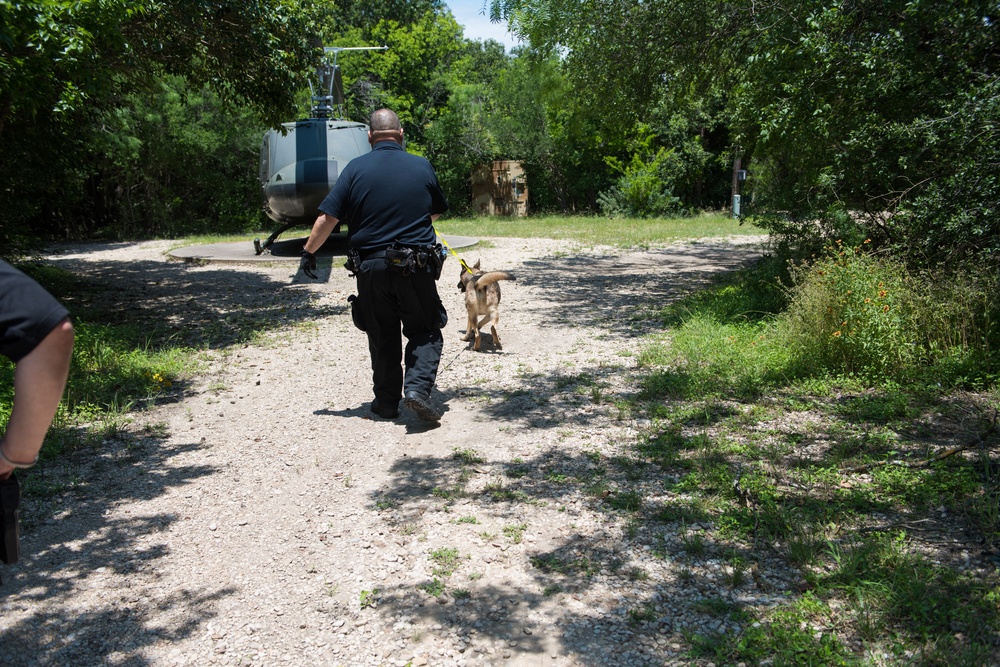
[[400, 260], [10, 537]]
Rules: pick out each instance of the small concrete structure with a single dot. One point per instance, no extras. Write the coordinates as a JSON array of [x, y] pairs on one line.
[[500, 188], [286, 250]]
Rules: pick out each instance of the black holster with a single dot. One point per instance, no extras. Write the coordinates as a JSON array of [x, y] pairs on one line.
[[353, 263], [357, 316], [437, 259], [10, 536]]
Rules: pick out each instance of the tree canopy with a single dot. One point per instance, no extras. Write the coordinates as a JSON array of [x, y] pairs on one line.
[[856, 117], [865, 114]]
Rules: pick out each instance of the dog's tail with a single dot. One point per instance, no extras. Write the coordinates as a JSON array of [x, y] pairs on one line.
[[491, 277]]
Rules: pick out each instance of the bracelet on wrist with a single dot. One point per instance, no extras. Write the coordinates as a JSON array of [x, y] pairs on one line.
[[15, 464]]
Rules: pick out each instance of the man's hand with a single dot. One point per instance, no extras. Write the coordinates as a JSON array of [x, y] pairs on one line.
[[308, 264]]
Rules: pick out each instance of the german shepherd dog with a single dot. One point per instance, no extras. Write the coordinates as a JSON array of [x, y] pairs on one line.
[[482, 298]]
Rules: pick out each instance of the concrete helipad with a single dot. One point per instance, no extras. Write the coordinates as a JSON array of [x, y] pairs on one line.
[[281, 250]]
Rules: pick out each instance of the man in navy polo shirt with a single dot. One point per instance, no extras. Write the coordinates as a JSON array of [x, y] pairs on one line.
[[389, 199]]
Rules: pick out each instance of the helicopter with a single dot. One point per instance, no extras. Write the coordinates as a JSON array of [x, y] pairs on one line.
[[300, 162]]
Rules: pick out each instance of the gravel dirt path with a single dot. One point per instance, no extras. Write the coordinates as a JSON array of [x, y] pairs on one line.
[[265, 518]]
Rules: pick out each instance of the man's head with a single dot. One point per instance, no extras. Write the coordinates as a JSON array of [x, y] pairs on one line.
[[384, 125]]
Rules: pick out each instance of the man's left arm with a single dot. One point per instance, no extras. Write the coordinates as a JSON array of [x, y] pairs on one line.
[[321, 230]]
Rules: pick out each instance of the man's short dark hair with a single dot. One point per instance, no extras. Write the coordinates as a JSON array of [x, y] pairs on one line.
[[385, 120]]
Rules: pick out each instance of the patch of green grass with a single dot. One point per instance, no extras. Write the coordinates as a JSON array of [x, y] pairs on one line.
[[596, 230], [632, 467], [563, 382], [468, 456], [368, 599], [717, 607], [644, 614], [789, 636], [804, 546], [435, 587], [515, 532], [683, 511], [703, 358], [446, 561], [448, 493], [882, 407], [557, 477], [385, 504], [516, 471], [907, 595], [628, 501], [693, 544]]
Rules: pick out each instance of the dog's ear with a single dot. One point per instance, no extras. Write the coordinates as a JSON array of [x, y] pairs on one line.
[[476, 267]]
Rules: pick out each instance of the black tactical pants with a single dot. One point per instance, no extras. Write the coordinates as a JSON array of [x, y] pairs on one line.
[[388, 300]]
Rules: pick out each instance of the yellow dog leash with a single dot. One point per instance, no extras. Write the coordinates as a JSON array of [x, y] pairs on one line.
[[460, 260]]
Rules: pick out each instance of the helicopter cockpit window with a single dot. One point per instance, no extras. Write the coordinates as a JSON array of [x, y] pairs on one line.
[[345, 144], [283, 152], [265, 158]]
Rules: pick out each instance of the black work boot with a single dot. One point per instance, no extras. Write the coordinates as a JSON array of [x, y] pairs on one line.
[[384, 411], [422, 405]]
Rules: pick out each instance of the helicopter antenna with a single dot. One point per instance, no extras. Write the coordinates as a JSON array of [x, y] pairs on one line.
[[329, 99]]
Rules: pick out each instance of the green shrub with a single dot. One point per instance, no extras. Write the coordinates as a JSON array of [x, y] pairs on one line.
[[852, 312], [855, 312]]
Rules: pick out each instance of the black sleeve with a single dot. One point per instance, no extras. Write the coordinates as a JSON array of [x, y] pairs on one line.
[[438, 202], [27, 313]]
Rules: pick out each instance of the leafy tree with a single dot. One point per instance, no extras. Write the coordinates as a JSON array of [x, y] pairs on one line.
[[362, 14], [855, 113], [66, 68], [628, 81], [460, 138], [144, 183]]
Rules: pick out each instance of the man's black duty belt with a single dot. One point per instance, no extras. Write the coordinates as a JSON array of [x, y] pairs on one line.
[[371, 254]]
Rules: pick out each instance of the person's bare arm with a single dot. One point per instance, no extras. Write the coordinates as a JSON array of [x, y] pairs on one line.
[[39, 380], [321, 230]]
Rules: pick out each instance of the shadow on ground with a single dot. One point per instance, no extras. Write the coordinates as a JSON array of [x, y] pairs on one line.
[[619, 292], [61, 558]]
